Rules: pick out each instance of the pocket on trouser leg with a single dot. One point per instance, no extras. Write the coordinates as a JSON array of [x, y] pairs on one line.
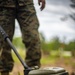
[[6, 67]]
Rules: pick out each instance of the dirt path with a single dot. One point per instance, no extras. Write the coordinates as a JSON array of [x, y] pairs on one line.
[[18, 68], [66, 64]]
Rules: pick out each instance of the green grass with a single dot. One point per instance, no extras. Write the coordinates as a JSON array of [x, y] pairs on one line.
[[44, 60], [21, 53], [47, 60]]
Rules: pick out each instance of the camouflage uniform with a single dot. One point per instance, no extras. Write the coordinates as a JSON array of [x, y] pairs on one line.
[[24, 12]]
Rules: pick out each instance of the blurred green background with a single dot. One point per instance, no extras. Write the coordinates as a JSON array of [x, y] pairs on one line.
[[54, 53]]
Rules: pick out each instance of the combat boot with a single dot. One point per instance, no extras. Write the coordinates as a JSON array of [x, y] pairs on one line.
[[4, 73], [35, 67]]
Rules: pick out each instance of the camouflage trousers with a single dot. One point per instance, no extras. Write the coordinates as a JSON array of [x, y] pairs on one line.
[[28, 22]]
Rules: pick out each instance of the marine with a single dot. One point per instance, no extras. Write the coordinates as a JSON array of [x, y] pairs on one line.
[[25, 13]]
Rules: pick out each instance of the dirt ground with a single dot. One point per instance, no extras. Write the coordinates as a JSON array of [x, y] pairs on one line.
[[18, 68]]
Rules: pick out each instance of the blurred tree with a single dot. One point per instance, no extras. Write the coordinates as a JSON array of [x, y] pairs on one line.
[[72, 44], [72, 6], [55, 43], [72, 47], [44, 45]]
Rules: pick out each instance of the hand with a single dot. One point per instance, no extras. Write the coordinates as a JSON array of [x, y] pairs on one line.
[[42, 4]]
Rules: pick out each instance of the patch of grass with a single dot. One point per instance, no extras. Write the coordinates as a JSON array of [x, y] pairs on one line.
[[21, 53], [48, 59]]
